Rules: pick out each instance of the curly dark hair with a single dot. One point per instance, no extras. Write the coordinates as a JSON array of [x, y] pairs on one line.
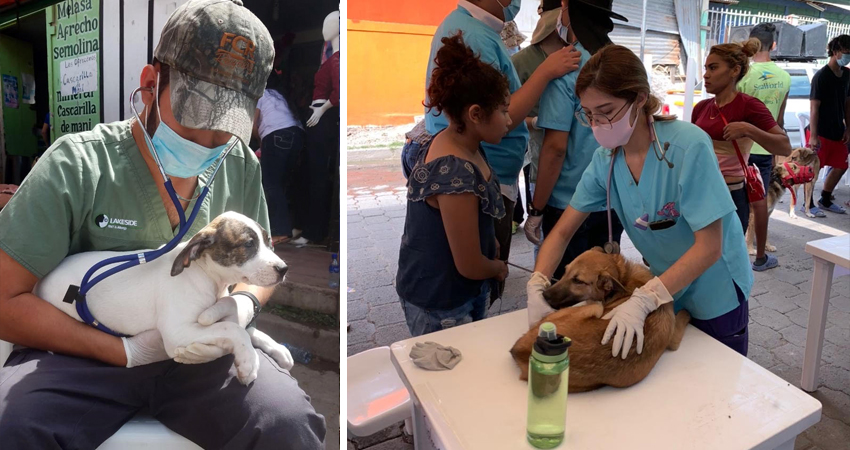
[[460, 79]]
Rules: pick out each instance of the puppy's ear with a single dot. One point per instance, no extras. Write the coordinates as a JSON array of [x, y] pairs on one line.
[[608, 284], [598, 249], [194, 249]]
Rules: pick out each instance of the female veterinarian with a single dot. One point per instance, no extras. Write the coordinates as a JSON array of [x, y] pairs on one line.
[[664, 184]]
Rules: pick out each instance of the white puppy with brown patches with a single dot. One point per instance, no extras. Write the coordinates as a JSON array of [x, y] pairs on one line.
[[170, 292]]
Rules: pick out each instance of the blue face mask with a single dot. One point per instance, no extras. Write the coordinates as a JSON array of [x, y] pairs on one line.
[[511, 10], [844, 60], [181, 157]]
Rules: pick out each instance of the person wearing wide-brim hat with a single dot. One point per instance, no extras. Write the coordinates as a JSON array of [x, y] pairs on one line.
[[567, 146]]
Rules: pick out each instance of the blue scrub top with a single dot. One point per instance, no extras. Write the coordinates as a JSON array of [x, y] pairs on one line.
[[558, 106], [694, 194], [507, 157]]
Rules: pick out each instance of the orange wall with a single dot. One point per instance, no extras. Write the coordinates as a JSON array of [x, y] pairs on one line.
[[388, 46]]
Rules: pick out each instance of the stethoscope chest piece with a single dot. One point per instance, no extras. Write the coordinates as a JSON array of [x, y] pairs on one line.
[[611, 248]]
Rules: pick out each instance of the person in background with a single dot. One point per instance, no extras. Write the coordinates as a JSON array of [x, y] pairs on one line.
[[279, 127], [544, 42], [830, 112], [481, 21], [770, 84], [734, 116], [449, 249], [567, 146]]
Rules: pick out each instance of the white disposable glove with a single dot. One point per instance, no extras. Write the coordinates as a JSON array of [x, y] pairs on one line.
[[236, 308], [537, 306], [628, 318], [534, 123], [144, 348], [317, 113], [534, 229]]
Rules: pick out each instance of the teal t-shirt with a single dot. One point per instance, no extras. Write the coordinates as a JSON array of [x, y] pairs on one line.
[[507, 156], [93, 191], [694, 194], [558, 106]]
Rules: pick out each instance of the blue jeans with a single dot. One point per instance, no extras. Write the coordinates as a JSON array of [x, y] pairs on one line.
[[409, 153], [423, 321], [280, 149]]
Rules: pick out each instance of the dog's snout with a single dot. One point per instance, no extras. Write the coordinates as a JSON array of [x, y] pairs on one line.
[[281, 269]]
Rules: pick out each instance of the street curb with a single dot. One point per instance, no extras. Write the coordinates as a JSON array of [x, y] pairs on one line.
[[307, 297], [322, 343], [372, 155]]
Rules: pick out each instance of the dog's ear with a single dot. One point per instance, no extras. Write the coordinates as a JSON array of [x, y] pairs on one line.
[[598, 249], [200, 242], [608, 284]]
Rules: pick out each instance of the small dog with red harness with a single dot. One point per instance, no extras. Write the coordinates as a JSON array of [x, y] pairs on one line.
[[796, 170]]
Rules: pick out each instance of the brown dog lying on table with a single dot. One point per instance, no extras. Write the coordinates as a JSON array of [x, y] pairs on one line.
[[603, 281]]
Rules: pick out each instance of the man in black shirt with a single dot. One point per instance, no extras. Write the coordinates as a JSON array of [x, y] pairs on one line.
[[830, 112]]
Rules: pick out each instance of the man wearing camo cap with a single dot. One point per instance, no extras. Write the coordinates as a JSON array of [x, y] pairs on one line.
[[69, 385]]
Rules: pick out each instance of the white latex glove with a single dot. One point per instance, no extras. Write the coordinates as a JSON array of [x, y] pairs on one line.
[[533, 229], [237, 308], [144, 348], [628, 318], [317, 113], [537, 306], [534, 123]]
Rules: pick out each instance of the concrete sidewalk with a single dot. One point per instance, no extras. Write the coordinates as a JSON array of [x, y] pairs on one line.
[[779, 300]]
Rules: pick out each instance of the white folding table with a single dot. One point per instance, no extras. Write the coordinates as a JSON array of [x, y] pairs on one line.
[[703, 396], [826, 254]]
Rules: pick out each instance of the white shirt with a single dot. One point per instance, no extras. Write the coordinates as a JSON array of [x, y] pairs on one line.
[[483, 16], [274, 114]]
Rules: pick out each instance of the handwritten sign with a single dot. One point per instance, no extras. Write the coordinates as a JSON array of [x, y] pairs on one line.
[[79, 74]]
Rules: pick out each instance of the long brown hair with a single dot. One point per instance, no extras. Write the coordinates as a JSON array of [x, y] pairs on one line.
[[737, 54], [617, 71]]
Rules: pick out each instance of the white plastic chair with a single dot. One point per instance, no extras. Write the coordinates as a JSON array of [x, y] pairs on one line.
[[377, 398], [140, 433]]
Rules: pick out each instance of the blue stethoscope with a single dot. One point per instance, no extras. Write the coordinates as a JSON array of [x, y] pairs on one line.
[[78, 293]]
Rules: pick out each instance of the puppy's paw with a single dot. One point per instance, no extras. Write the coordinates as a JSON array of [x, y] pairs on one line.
[[810, 215], [770, 247], [247, 364], [281, 356], [751, 251], [793, 213], [203, 352]]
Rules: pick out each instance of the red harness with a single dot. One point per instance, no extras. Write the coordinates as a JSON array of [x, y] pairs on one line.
[[804, 175]]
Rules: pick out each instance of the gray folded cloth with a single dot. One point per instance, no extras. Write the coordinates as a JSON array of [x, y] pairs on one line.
[[433, 356]]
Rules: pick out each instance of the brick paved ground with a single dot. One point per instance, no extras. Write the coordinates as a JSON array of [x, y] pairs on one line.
[[779, 300]]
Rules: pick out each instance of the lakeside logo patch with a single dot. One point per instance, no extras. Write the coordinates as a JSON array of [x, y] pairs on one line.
[[104, 221]]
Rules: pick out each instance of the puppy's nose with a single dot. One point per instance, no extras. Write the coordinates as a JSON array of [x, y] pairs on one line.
[[281, 269]]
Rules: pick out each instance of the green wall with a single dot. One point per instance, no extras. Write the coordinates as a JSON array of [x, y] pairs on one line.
[[16, 57]]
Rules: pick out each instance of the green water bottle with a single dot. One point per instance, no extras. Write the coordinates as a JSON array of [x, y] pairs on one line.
[[548, 378]]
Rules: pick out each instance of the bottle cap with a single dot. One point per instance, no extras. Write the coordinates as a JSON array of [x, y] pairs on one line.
[[550, 346]]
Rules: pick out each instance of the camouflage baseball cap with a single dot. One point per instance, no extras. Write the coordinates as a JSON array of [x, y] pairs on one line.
[[220, 56]]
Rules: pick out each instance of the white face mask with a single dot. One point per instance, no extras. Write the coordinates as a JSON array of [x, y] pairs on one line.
[[844, 60], [620, 133], [563, 30]]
